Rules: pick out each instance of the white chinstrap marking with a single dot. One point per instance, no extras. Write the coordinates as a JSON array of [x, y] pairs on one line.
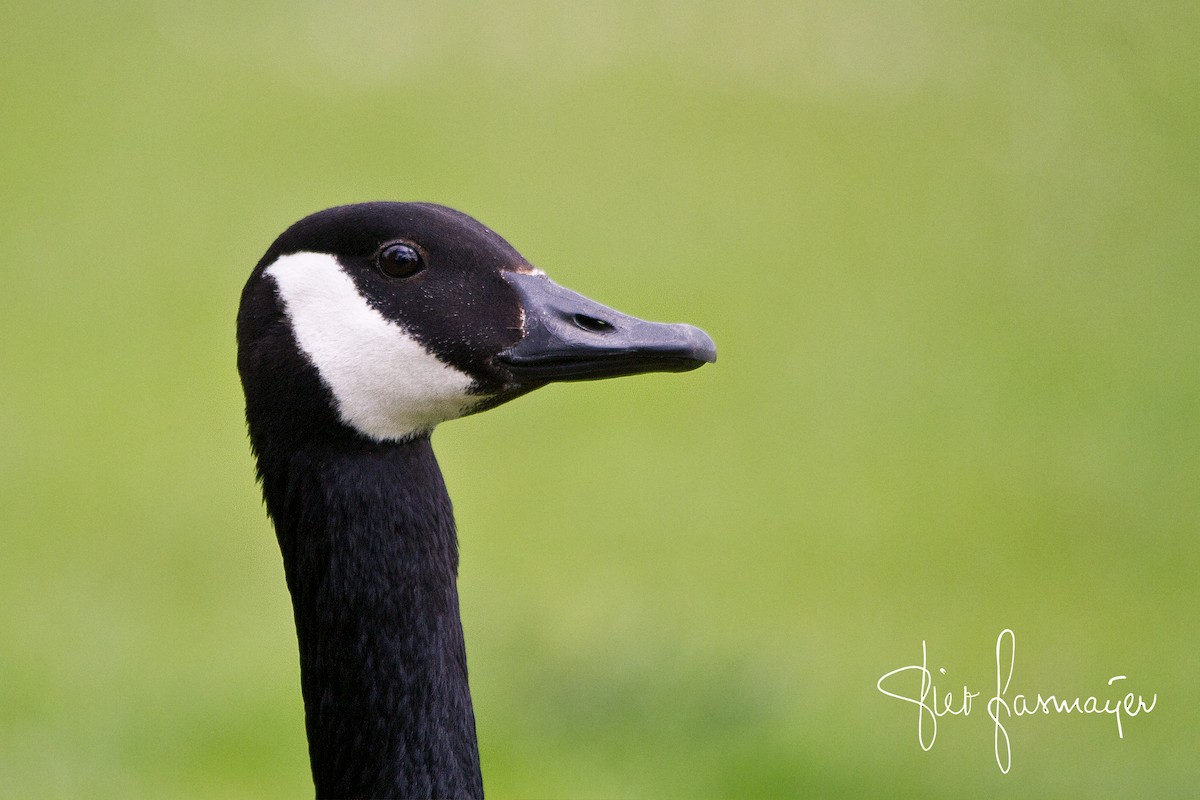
[[386, 384]]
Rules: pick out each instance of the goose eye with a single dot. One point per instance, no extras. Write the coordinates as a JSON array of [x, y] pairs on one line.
[[399, 260]]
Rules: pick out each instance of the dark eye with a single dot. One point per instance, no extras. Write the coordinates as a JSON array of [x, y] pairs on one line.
[[399, 260]]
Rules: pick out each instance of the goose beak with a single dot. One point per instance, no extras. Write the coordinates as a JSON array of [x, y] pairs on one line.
[[571, 338]]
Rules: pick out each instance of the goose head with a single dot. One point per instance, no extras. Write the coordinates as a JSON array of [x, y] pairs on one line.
[[389, 318]]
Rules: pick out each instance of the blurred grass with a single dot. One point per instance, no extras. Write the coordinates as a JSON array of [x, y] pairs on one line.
[[948, 254]]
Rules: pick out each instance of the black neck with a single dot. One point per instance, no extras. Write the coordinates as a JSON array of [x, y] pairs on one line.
[[371, 558]]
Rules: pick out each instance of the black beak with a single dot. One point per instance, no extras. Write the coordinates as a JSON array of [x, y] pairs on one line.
[[571, 338]]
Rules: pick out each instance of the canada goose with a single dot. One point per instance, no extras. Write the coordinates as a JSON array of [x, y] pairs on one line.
[[362, 328]]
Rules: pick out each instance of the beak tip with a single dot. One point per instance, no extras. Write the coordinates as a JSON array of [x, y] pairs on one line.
[[704, 348]]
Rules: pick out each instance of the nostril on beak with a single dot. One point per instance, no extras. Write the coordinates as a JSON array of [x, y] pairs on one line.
[[592, 324]]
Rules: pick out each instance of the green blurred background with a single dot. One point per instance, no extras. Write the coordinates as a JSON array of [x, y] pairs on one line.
[[948, 252]]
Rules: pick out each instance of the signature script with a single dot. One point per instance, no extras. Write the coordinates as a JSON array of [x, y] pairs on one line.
[[1001, 707]]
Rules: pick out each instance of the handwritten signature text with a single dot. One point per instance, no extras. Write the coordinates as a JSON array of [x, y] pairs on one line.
[[1001, 707]]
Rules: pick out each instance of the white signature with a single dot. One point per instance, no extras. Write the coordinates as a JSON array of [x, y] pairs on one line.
[[931, 706]]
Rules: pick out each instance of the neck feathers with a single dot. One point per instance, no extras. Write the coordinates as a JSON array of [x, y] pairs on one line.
[[371, 557]]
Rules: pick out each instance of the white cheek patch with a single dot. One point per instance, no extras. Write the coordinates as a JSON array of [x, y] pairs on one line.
[[387, 385]]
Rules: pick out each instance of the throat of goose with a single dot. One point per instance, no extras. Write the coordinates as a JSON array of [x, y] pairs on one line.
[[360, 330]]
